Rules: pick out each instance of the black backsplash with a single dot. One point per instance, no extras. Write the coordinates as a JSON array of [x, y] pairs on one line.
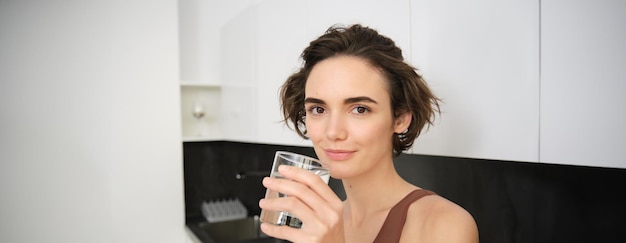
[[511, 201]]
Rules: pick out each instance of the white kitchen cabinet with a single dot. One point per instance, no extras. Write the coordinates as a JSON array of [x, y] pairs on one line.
[[482, 58], [239, 79], [200, 81], [281, 39], [583, 80], [200, 26]]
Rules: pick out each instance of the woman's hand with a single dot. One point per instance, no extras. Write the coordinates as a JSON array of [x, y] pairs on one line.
[[311, 201]]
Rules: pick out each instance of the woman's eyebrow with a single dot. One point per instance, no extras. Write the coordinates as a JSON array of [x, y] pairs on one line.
[[314, 101], [359, 99], [350, 100]]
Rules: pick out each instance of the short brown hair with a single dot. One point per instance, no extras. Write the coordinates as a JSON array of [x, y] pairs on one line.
[[407, 89]]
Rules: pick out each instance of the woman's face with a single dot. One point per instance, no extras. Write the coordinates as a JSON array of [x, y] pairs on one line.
[[349, 117]]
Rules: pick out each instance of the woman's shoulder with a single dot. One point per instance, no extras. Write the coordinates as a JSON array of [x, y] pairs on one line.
[[437, 219]]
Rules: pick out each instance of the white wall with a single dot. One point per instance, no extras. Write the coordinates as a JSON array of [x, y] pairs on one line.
[[90, 131]]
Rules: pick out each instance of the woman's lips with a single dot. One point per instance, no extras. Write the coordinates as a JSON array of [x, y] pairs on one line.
[[338, 155]]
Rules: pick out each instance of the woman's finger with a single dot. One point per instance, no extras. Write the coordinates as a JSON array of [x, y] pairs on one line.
[[300, 199], [314, 182], [319, 196], [304, 192], [316, 212], [292, 205]]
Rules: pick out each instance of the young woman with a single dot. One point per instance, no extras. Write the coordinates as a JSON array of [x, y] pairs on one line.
[[361, 105]]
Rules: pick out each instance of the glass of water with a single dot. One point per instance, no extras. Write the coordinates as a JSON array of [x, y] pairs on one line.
[[296, 160]]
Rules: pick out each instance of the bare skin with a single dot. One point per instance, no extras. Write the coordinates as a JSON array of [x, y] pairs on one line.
[[350, 122]]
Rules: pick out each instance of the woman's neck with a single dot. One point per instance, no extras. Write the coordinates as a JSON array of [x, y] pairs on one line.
[[374, 192]]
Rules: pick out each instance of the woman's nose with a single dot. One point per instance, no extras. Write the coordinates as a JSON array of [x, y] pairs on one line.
[[336, 128]]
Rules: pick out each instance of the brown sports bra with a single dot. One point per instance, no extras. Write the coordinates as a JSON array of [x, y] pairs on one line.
[[392, 228]]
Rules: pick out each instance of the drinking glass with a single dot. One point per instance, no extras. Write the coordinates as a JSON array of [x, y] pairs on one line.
[[198, 113], [296, 160]]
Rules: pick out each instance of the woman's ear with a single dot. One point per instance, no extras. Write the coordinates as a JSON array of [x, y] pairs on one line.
[[402, 122]]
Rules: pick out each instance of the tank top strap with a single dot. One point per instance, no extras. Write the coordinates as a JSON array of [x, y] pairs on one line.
[[392, 227]]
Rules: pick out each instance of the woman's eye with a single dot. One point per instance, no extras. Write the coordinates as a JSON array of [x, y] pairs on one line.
[[360, 110], [316, 110]]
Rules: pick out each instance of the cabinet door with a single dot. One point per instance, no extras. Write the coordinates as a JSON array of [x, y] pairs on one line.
[[238, 113], [482, 58], [281, 39], [583, 80]]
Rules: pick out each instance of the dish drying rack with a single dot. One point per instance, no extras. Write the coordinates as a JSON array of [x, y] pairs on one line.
[[223, 210]]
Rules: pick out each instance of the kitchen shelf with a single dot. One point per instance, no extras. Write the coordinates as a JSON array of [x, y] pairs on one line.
[[207, 94]]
